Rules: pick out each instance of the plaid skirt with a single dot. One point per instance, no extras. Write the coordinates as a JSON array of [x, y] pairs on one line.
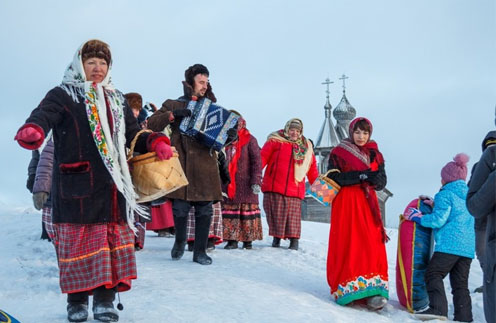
[[46, 218], [93, 255], [241, 222], [215, 231], [283, 215]]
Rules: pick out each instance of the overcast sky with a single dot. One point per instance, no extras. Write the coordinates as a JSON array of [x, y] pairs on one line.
[[424, 72]]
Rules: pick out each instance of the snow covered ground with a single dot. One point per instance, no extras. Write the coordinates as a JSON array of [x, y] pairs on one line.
[[260, 285]]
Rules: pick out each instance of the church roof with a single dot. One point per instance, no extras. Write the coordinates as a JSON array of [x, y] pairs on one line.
[[344, 111], [327, 136]]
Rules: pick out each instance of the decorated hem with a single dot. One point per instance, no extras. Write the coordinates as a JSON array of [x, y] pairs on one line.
[[361, 288]]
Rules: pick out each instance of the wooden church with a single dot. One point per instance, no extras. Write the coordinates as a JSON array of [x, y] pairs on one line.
[[329, 136]]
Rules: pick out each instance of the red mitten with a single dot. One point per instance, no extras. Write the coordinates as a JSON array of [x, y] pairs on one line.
[[163, 150], [30, 137]]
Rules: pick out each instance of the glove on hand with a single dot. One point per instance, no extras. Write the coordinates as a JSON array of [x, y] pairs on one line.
[[371, 176], [413, 214], [163, 150], [28, 135], [39, 199], [181, 113], [255, 188]]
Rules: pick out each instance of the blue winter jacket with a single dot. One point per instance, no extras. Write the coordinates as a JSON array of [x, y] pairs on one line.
[[452, 224]]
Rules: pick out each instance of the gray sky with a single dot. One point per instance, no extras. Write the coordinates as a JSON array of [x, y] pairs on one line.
[[424, 72]]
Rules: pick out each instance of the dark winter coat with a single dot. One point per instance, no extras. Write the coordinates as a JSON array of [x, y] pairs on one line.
[[83, 190], [199, 165], [33, 163], [43, 179], [279, 174], [481, 202], [249, 172]]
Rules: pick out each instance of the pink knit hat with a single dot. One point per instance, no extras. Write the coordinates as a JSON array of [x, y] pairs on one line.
[[456, 169]]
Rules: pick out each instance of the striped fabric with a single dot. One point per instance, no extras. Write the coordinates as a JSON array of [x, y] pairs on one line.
[[241, 222], [283, 215], [215, 226], [46, 218], [93, 255]]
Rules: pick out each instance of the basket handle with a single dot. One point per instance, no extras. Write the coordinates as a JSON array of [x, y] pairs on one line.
[[133, 143], [334, 170]]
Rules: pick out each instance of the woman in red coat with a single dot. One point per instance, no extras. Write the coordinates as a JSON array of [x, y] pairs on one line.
[[357, 267], [289, 157]]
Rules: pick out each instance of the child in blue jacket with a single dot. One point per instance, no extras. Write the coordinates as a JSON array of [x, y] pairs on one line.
[[454, 249]]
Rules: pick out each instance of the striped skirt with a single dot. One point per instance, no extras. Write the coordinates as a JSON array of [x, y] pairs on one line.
[[241, 222], [283, 215], [93, 255]]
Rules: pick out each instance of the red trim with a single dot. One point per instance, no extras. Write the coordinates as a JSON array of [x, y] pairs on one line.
[[31, 145], [79, 167]]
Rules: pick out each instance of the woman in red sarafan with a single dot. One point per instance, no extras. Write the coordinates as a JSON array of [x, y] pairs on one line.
[[357, 268], [289, 158]]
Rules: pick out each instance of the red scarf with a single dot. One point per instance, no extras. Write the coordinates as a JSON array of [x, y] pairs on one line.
[[243, 138], [356, 158]]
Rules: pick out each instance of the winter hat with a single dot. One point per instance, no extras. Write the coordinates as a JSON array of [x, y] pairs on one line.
[[194, 70], [489, 140], [456, 169], [96, 48], [135, 100]]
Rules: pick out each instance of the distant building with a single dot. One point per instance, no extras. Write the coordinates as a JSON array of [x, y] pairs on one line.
[[329, 137]]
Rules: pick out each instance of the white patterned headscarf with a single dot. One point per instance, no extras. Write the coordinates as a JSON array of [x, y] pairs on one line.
[[110, 145]]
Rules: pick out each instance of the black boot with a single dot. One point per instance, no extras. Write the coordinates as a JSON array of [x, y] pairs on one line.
[[77, 307], [202, 227], [231, 244], [293, 244], [191, 245], [211, 244], [103, 305], [247, 245], [276, 242], [180, 223]]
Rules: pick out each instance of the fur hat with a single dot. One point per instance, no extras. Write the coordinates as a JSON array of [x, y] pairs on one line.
[[96, 48], [194, 70], [134, 100], [456, 169]]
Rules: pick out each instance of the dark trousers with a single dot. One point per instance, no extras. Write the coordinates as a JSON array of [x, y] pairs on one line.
[[440, 265], [180, 211]]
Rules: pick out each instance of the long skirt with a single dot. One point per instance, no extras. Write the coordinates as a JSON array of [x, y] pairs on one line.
[[161, 217], [241, 222], [215, 231], [283, 215], [46, 218], [357, 265], [93, 255]]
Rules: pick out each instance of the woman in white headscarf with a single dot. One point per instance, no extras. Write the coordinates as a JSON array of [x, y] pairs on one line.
[[92, 193]]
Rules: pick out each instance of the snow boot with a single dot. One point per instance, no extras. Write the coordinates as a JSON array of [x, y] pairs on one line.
[[231, 244], [77, 307], [429, 314], [293, 244], [202, 227], [103, 307], [376, 303], [276, 242], [247, 245], [177, 251], [191, 245], [210, 244], [77, 312]]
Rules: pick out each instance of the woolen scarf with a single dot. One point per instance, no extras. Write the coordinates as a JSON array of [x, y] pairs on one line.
[[243, 139]]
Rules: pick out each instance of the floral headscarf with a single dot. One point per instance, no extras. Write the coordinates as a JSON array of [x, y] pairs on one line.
[[109, 141]]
